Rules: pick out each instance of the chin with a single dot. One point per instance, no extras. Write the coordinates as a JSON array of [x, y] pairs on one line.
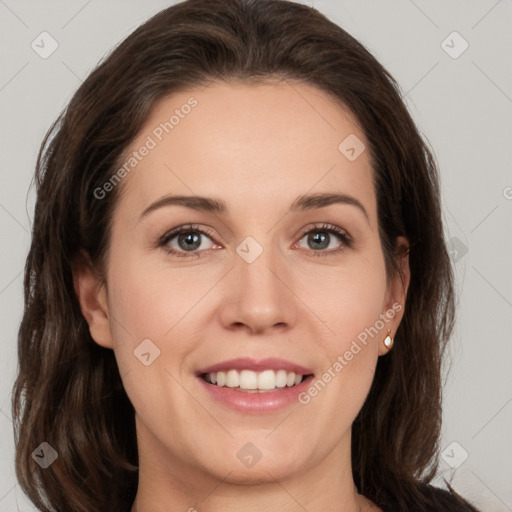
[[257, 475]]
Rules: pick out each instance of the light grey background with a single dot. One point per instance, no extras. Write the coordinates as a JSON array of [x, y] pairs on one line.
[[463, 105]]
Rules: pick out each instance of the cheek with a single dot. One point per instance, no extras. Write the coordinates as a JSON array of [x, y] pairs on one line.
[[348, 299], [148, 322], [149, 302], [351, 304]]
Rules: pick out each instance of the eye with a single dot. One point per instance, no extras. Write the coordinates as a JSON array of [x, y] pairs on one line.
[[320, 237], [185, 241], [188, 240]]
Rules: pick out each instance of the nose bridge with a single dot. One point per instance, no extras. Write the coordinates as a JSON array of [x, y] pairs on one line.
[[258, 291], [257, 267]]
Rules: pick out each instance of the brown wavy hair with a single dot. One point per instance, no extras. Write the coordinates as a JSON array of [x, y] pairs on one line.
[[68, 391]]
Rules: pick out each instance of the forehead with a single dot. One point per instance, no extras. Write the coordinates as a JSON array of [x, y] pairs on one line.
[[255, 145]]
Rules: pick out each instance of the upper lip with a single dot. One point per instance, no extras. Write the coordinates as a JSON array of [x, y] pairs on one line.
[[246, 363]]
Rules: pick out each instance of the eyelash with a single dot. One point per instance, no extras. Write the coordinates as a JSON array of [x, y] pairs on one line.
[[346, 240]]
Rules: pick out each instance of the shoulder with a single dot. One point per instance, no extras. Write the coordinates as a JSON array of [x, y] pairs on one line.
[[443, 500], [431, 499]]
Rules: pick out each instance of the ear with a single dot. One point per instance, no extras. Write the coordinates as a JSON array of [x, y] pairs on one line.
[[91, 291], [397, 293]]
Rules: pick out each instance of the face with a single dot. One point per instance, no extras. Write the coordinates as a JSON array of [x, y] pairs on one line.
[[271, 276]]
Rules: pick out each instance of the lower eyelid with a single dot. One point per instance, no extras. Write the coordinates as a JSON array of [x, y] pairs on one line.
[[343, 246]]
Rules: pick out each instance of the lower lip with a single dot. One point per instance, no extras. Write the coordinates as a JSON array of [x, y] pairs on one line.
[[258, 403]]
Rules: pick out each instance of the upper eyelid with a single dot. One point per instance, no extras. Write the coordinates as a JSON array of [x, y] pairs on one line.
[[318, 226], [172, 233]]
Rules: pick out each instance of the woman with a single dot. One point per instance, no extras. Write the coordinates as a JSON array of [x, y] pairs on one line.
[[238, 292]]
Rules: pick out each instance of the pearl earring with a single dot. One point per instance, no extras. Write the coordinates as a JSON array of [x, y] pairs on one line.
[[388, 341]]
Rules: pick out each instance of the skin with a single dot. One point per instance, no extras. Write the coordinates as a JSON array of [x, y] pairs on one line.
[[257, 147]]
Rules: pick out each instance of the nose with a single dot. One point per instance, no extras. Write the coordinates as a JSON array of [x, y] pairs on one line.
[[259, 296]]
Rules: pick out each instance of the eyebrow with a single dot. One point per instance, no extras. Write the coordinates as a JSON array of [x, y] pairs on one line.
[[218, 206]]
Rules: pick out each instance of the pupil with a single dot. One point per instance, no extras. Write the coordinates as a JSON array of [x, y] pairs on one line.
[[189, 237]]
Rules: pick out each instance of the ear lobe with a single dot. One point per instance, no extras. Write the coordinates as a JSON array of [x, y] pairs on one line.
[[91, 292], [397, 293]]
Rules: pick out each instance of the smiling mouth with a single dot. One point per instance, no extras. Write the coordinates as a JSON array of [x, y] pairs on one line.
[[249, 381]]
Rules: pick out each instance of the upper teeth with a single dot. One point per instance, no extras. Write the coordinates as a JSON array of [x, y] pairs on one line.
[[247, 379]]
